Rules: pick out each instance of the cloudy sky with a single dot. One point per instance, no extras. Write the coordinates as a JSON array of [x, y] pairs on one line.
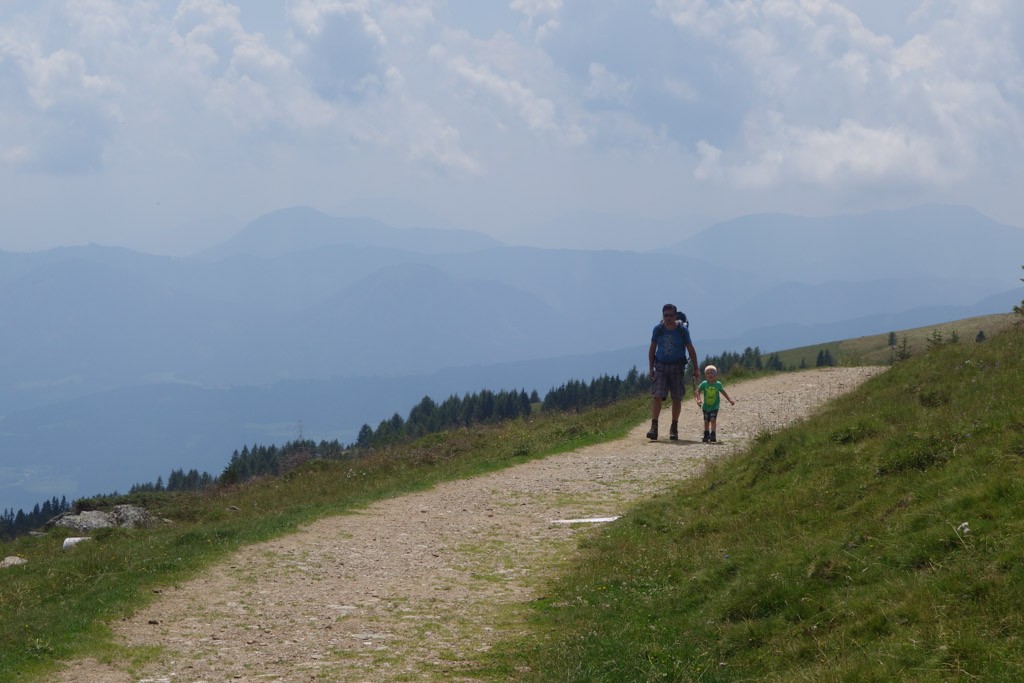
[[166, 125]]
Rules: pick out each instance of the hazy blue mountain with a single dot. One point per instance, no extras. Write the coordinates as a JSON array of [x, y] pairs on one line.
[[410, 319], [951, 242], [302, 228], [118, 362], [599, 230], [831, 301], [608, 295], [80, 326]]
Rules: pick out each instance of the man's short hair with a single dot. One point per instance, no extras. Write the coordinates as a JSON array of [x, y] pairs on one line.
[[668, 307]]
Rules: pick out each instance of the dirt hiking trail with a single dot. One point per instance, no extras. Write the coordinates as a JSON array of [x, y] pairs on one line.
[[412, 588]]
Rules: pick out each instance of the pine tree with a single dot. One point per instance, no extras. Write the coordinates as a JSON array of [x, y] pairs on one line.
[[903, 352], [1019, 310], [365, 437]]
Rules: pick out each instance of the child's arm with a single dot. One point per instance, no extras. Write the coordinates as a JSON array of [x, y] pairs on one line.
[[731, 402]]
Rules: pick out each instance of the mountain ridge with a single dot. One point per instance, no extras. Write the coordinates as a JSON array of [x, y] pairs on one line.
[[301, 227]]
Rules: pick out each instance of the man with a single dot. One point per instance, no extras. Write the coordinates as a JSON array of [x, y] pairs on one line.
[[670, 342]]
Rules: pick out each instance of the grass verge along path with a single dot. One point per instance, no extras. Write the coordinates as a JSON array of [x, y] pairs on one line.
[[421, 586]]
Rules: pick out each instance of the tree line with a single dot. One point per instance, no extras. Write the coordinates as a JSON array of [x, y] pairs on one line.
[[576, 396], [753, 360], [429, 417], [13, 524], [178, 480], [426, 417]]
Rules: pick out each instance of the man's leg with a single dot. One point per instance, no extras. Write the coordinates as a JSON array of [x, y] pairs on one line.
[[652, 433], [673, 430]]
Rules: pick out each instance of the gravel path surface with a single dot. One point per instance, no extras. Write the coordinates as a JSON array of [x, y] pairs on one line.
[[411, 588]]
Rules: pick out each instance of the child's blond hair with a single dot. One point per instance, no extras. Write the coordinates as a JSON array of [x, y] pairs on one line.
[[711, 368]]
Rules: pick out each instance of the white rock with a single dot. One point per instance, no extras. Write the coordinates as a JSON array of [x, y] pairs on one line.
[[125, 516], [131, 517], [74, 540], [90, 520], [12, 561]]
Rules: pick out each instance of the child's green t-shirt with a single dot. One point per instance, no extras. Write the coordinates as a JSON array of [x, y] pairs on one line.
[[712, 394]]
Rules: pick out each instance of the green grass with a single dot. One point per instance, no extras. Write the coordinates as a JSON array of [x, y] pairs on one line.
[[834, 550], [59, 604]]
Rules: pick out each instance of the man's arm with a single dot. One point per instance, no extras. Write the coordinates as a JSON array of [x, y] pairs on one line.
[[693, 362], [650, 358]]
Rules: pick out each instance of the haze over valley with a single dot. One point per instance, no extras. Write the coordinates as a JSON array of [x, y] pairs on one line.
[[130, 364]]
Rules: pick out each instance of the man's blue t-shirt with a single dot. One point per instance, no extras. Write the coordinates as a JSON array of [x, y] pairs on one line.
[[671, 344]]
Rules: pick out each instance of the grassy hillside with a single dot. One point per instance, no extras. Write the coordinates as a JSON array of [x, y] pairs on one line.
[[836, 544], [881, 540], [875, 349]]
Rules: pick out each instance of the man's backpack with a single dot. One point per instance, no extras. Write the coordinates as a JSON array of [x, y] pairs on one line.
[[680, 318]]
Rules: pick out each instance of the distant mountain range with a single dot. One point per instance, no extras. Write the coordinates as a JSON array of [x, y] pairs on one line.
[[117, 366]]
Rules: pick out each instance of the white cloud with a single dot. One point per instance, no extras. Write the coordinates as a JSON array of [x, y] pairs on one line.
[[442, 97], [681, 90], [834, 102], [16, 155], [513, 83], [63, 77], [604, 85], [535, 8], [708, 167], [536, 111], [312, 16], [536, 11]]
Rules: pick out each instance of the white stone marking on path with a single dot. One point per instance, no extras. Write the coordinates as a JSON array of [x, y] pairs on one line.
[[589, 520]]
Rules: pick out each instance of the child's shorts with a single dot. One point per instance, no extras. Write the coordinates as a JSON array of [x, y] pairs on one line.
[[710, 415]]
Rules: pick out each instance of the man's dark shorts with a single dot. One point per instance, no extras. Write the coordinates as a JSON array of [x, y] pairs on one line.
[[710, 415], [669, 378]]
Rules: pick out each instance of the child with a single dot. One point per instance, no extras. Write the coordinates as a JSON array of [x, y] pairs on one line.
[[709, 391]]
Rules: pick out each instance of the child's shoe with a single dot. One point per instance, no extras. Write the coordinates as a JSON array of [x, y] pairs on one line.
[[652, 433], [707, 436], [713, 439], [673, 432]]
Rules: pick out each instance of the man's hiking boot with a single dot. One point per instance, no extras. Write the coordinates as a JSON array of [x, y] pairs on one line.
[[713, 438], [652, 433], [673, 432]]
